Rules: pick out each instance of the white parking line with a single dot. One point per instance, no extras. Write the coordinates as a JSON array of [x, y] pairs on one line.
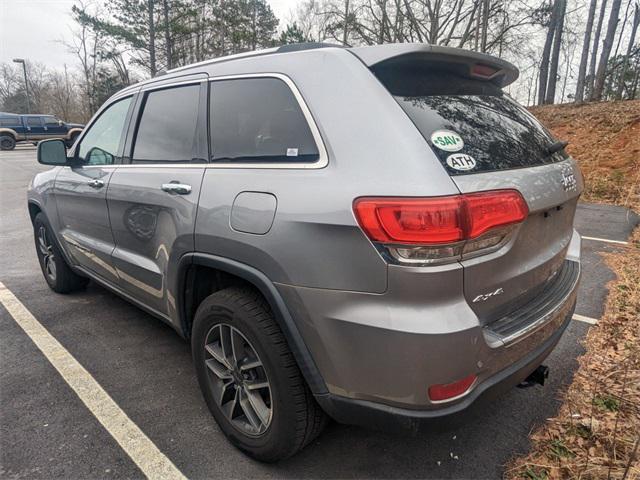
[[582, 318], [606, 240], [153, 463]]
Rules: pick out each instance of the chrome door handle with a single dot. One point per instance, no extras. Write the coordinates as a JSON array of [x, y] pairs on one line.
[[176, 188], [95, 183]]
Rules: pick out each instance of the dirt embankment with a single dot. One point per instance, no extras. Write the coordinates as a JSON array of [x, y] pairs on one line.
[[605, 139]]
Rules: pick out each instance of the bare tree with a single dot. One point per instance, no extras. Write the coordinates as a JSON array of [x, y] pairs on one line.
[[584, 57], [167, 34], [546, 54], [607, 45], [152, 38], [561, 5], [594, 54], [625, 63]]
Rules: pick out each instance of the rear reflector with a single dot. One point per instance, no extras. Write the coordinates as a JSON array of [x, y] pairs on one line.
[[438, 220], [447, 391]]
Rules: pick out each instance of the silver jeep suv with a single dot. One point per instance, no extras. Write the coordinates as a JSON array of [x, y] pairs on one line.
[[379, 235]]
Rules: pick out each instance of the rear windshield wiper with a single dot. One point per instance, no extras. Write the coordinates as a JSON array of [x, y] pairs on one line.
[[556, 146]]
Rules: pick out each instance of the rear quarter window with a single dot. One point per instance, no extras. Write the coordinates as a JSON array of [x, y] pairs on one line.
[[258, 120], [10, 122]]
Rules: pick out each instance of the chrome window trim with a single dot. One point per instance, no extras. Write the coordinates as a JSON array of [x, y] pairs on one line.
[[164, 86], [323, 158]]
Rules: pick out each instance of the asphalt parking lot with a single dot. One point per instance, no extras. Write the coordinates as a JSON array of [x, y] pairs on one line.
[[47, 432]]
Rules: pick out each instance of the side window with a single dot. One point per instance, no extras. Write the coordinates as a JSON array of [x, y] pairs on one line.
[[34, 121], [256, 120], [168, 128], [100, 144], [50, 121], [10, 122]]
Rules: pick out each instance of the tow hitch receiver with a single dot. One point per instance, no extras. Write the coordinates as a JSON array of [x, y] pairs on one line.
[[538, 376]]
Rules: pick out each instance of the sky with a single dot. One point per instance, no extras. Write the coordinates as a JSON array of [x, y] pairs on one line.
[[34, 29]]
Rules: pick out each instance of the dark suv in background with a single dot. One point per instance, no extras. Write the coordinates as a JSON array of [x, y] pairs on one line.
[[32, 128]]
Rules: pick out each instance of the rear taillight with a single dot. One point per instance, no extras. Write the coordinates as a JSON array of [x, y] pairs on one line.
[[424, 230]]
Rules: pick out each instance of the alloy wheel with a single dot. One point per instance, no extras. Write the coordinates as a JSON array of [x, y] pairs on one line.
[[238, 380], [46, 250]]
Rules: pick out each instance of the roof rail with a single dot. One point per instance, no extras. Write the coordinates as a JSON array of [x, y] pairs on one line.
[[296, 47], [253, 53]]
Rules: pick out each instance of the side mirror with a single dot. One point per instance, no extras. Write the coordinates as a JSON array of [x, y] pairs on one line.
[[52, 152], [60, 123]]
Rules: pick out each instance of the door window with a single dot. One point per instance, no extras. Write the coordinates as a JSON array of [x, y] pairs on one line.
[[51, 121], [101, 143], [34, 121], [258, 120], [168, 128]]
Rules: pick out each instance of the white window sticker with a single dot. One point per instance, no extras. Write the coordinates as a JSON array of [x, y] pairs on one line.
[[461, 161], [447, 140], [292, 152]]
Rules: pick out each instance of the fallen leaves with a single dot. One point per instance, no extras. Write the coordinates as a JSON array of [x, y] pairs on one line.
[[596, 432]]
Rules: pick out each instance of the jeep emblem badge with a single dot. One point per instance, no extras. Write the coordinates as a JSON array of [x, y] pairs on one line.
[[568, 181]]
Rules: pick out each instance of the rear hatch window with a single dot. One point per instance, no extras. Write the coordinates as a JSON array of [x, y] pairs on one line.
[[462, 117]]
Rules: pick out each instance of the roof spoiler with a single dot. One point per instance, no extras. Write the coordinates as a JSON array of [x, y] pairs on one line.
[[481, 65]]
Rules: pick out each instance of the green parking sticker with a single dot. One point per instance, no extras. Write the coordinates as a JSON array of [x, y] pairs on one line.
[[447, 140]]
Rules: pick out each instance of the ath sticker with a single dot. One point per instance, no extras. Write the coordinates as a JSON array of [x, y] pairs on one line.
[[461, 161], [447, 140]]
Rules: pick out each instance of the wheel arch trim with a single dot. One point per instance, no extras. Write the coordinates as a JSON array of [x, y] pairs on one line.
[[10, 132], [260, 281]]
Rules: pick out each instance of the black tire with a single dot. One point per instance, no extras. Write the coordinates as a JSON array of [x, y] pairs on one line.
[[57, 273], [7, 142], [295, 419]]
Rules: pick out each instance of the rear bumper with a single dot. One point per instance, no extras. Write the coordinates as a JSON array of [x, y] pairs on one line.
[[381, 352], [373, 414]]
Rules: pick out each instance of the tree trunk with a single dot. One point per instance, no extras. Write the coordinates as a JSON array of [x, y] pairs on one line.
[[624, 24], [167, 34], [478, 23], [561, 5], [596, 44], [632, 39], [546, 53], [345, 32], [606, 49], [584, 58], [152, 41], [485, 24]]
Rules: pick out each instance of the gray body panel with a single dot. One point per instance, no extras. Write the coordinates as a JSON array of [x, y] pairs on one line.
[[374, 330], [152, 229], [84, 218]]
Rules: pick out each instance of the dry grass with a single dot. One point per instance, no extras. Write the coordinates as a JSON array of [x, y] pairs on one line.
[[605, 139], [596, 433]]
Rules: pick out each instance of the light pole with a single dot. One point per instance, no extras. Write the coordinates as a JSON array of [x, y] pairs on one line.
[[26, 83]]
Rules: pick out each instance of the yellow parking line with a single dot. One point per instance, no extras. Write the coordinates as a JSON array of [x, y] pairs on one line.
[[153, 463], [606, 240], [582, 318]]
